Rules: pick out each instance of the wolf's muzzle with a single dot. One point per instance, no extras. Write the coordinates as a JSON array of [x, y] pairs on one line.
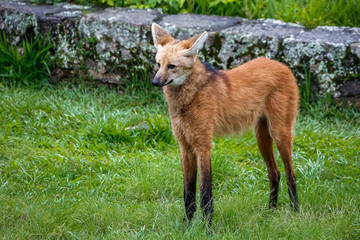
[[156, 82]]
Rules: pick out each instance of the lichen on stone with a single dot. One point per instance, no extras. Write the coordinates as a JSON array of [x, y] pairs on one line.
[[17, 23]]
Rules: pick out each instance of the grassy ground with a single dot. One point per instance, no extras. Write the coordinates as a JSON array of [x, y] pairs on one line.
[[69, 169]]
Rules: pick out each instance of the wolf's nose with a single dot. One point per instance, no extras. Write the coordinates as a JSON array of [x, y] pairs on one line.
[[156, 82]]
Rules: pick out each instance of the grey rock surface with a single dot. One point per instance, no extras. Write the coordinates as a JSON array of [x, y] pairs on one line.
[[351, 88], [111, 44]]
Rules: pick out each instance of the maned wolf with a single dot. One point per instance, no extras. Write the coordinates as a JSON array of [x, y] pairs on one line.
[[204, 102]]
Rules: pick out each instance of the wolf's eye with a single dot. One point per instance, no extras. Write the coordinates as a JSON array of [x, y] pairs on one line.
[[158, 64], [171, 66]]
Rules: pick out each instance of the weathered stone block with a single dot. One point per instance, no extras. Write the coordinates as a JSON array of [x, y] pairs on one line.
[[110, 44], [323, 50], [122, 40]]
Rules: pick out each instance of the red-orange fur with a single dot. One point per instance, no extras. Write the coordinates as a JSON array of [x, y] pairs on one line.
[[261, 94]]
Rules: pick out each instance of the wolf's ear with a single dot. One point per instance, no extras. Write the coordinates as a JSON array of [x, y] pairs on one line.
[[194, 44], [160, 36]]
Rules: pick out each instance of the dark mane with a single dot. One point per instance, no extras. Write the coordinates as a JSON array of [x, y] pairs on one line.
[[214, 74], [210, 68]]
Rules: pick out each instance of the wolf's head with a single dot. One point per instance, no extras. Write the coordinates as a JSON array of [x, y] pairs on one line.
[[174, 59]]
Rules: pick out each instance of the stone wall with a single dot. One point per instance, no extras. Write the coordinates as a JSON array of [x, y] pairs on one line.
[[111, 44]]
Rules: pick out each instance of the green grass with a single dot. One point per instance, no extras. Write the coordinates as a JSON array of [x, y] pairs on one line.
[[69, 169], [28, 64]]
